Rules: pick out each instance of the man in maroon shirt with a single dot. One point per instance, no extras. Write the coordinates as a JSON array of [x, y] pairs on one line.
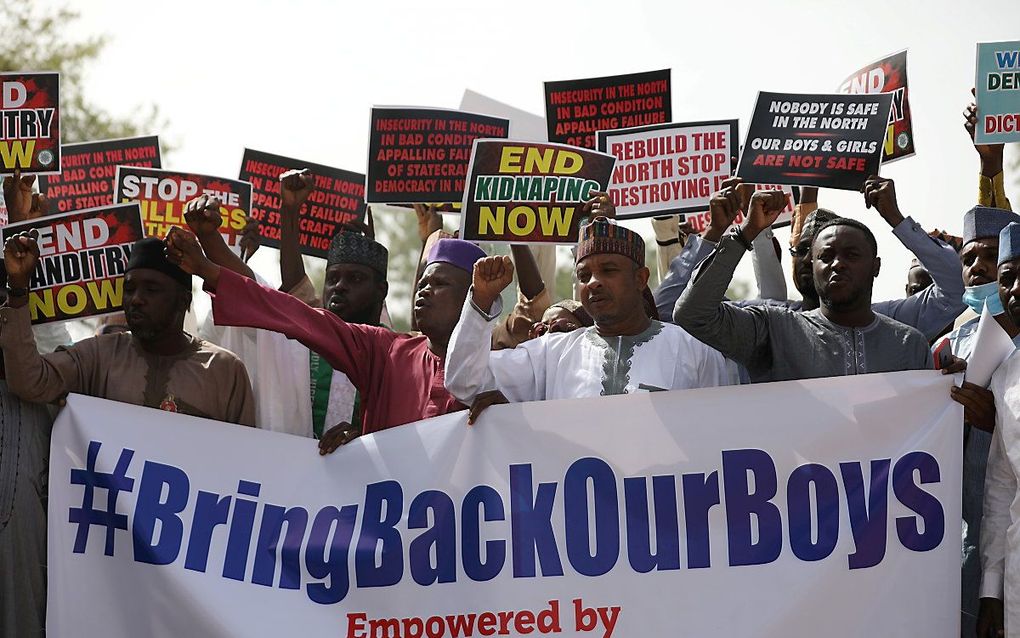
[[400, 376]]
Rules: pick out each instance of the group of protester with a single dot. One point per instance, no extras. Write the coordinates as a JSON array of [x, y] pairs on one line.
[[322, 363]]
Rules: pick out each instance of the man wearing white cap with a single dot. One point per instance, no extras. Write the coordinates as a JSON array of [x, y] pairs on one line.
[[1000, 527]]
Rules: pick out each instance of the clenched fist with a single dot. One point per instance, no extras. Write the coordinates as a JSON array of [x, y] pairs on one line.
[[880, 194], [295, 187], [491, 275], [763, 210], [203, 215], [21, 254]]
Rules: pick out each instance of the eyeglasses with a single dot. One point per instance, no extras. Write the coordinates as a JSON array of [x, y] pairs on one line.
[[799, 251]]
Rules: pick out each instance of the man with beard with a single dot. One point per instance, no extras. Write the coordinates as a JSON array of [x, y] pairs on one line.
[[624, 352], [284, 372], [981, 227], [24, 458], [399, 377], [1000, 553], [842, 336], [929, 311], [156, 365]]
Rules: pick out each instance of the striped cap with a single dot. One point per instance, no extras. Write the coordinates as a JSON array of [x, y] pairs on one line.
[[603, 236]]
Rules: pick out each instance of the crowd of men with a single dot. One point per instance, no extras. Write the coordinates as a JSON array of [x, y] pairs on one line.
[[323, 363]]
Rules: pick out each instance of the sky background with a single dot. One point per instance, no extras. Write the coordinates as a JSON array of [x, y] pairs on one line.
[[299, 78]]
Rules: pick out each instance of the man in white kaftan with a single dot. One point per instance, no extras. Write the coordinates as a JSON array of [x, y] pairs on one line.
[[624, 352]]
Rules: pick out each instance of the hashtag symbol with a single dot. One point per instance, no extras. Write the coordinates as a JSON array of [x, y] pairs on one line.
[[114, 483]]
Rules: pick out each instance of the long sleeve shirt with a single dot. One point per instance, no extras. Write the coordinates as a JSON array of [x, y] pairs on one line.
[[581, 363], [992, 192], [399, 378], [1000, 526], [768, 272], [930, 310], [203, 380], [780, 344]]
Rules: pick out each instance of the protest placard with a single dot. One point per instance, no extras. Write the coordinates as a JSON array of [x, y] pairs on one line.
[[576, 109], [88, 171], [523, 125], [832, 141], [164, 194], [887, 75], [527, 192], [82, 257], [998, 92], [541, 517], [421, 155], [30, 123], [700, 220], [668, 168], [338, 198]]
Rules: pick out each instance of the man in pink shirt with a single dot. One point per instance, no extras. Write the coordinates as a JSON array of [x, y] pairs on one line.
[[400, 376]]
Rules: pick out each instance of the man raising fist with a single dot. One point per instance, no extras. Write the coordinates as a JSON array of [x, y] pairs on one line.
[[842, 336], [624, 352]]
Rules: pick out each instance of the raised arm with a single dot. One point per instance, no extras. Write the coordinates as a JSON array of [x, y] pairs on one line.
[[675, 281], [30, 375], [471, 367], [203, 217], [940, 304], [696, 249], [350, 348], [991, 190], [768, 266], [295, 187], [739, 333]]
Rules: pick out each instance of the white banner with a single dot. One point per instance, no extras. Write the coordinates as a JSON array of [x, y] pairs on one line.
[[824, 507]]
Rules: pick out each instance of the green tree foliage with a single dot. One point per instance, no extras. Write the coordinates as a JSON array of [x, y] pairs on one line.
[[37, 39]]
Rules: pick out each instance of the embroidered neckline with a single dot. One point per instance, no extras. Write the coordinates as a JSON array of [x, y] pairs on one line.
[[617, 353]]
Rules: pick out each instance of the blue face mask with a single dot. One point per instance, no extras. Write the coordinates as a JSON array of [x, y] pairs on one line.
[[978, 296]]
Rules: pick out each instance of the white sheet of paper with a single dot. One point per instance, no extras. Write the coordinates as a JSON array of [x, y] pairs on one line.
[[523, 125], [991, 347]]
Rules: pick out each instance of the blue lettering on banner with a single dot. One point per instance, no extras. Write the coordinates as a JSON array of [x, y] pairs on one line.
[[380, 541]]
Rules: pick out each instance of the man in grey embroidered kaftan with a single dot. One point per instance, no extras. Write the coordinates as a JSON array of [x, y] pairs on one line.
[[929, 311], [843, 336]]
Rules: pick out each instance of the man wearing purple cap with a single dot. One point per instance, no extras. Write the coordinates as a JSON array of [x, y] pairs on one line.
[[400, 377], [1000, 546], [624, 352]]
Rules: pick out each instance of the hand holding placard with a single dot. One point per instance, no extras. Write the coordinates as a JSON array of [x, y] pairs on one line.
[[429, 220], [490, 276], [599, 205], [22, 204]]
